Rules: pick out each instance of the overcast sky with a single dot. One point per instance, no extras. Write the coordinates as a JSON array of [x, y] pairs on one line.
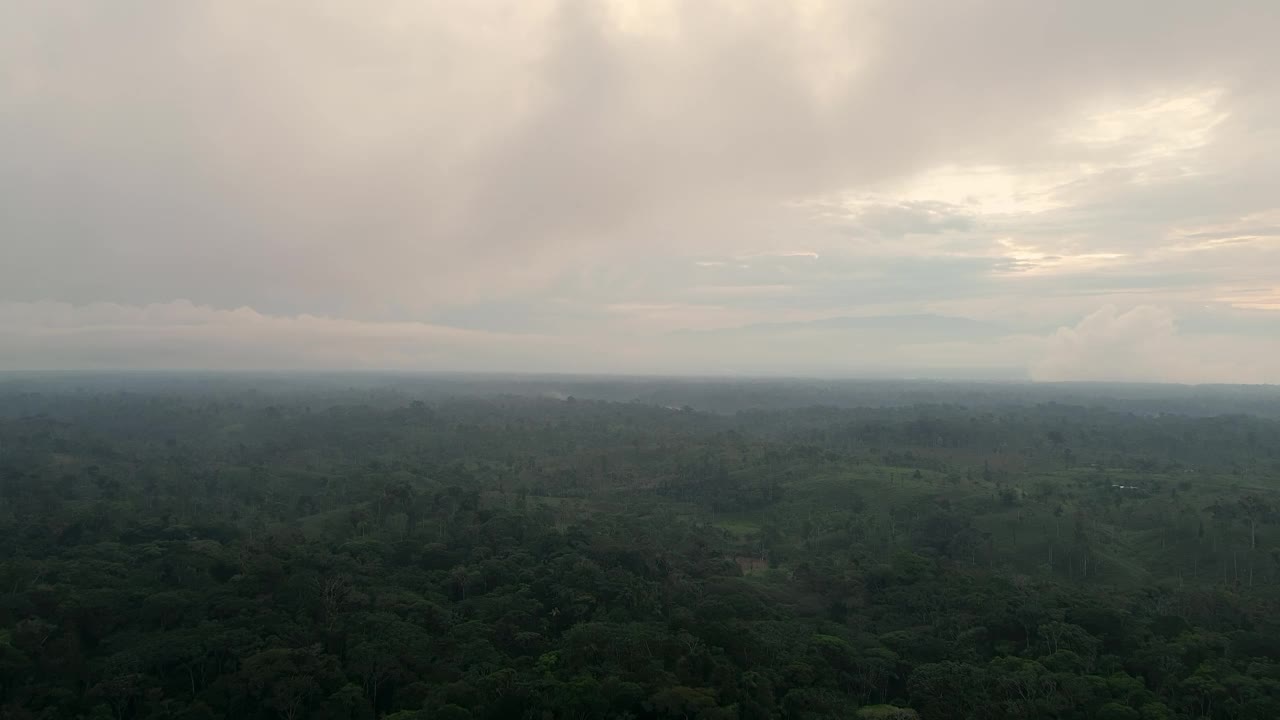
[[1053, 190]]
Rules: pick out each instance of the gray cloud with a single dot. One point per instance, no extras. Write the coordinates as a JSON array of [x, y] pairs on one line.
[[558, 169]]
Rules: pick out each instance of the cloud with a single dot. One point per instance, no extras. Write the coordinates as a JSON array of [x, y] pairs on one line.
[[1144, 344], [523, 167], [349, 145], [883, 218]]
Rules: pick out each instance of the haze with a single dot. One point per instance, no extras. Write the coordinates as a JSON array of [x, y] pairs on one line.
[[1054, 191]]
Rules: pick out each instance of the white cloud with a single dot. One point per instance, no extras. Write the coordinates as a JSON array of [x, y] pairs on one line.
[[1143, 344], [1157, 129]]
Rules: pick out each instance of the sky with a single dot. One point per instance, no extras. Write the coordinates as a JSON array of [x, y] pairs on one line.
[[1003, 189]]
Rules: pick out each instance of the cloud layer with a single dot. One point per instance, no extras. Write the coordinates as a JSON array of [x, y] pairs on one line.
[[604, 185], [1141, 344]]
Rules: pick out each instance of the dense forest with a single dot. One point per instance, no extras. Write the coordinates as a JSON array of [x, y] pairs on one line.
[[205, 547]]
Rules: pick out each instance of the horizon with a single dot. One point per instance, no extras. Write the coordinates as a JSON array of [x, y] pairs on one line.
[[519, 376]]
